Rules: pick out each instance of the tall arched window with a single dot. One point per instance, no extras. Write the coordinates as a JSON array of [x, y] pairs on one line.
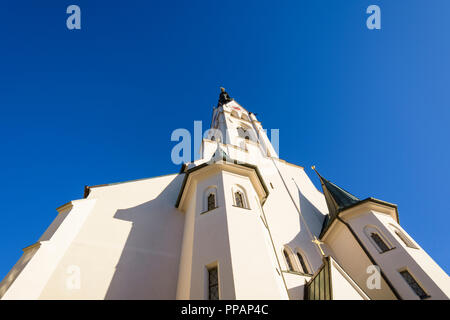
[[414, 285], [403, 237], [288, 260], [210, 199], [240, 197], [302, 263], [378, 240]]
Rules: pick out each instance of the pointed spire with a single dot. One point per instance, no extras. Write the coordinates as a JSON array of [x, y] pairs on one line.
[[337, 198]]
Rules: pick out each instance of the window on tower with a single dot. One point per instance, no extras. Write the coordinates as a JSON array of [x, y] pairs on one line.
[[301, 260], [403, 237], [413, 284], [239, 199], [288, 260], [213, 283], [378, 239], [245, 133], [211, 201], [245, 117], [379, 242]]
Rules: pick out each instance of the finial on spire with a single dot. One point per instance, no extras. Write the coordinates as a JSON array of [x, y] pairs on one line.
[[224, 97], [314, 168]]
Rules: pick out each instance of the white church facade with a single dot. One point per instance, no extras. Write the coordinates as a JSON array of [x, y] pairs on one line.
[[239, 223]]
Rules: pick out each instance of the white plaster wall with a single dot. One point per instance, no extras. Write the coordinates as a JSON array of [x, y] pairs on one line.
[[343, 287], [296, 285], [210, 242], [126, 247], [42, 262], [429, 275], [348, 253], [185, 268], [254, 273]]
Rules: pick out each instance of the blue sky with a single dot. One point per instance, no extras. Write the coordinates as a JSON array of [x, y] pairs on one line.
[[369, 108]]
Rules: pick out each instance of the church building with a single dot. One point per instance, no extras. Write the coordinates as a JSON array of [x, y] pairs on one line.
[[238, 223]]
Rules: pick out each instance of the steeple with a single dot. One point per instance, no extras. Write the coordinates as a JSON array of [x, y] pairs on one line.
[[337, 198], [224, 97]]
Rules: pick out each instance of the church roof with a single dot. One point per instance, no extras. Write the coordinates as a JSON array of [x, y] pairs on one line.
[[337, 198]]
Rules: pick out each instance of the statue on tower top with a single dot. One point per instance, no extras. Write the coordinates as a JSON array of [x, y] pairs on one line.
[[224, 97]]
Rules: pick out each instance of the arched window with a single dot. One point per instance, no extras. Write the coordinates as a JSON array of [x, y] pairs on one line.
[[379, 242], [234, 114], [241, 132], [245, 133], [403, 237], [214, 134], [240, 197], [302, 263], [377, 239], [210, 199], [245, 117], [288, 260]]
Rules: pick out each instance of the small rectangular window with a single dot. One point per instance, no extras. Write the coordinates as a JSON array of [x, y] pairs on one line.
[[413, 284], [213, 283]]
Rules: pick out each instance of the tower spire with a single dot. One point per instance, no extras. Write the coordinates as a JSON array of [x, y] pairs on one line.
[[337, 198], [224, 97]]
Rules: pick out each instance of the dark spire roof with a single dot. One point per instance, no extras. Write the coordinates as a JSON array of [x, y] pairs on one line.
[[224, 97], [337, 198]]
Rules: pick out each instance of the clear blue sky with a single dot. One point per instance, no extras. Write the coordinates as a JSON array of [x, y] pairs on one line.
[[369, 108]]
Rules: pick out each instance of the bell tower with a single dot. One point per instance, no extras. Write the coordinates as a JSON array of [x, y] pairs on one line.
[[226, 245], [233, 125]]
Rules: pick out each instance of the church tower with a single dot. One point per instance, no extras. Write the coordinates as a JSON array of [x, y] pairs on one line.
[[226, 245], [238, 223]]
